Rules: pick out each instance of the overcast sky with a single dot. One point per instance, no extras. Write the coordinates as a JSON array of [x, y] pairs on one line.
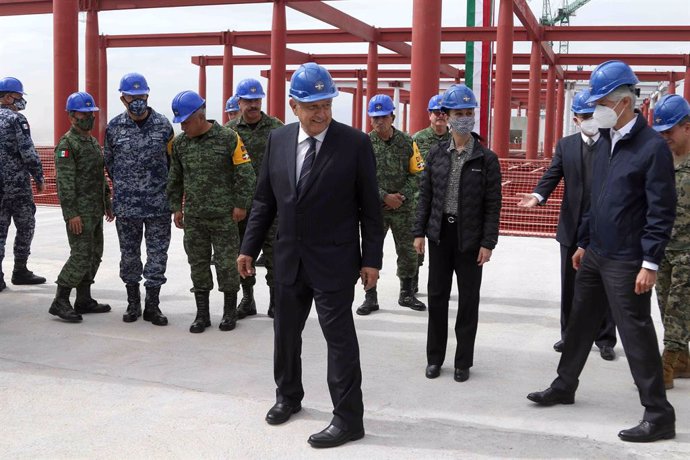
[[26, 46]]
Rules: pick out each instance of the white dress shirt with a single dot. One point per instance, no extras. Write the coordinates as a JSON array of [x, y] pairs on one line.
[[303, 148]]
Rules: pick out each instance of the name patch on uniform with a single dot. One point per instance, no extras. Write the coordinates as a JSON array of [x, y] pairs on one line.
[[416, 161], [63, 154], [240, 155]]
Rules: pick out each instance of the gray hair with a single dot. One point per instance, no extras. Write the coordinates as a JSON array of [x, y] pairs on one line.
[[622, 92]]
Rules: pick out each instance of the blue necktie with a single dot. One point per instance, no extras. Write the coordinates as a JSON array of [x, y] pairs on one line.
[[306, 165]]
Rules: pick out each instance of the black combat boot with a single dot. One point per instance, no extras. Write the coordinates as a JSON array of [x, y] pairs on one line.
[[22, 275], [84, 303], [407, 297], [415, 283], [133, 303], [229, 320], [203, 317], [61, 306], [152, 313], [247, 306], [371, 302], [271, 303]]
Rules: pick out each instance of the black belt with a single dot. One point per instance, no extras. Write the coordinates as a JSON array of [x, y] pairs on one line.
[[451, 219]]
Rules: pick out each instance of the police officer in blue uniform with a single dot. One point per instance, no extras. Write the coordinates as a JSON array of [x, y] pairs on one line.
[[19, 162], [137, 160]]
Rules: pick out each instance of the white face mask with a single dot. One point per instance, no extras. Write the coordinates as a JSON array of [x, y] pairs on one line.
[[589, 127], [606, 117]]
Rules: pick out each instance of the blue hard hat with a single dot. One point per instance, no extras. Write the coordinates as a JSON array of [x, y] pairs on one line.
[[608, 76], [670, 109], [459, 97], [580, 104], [81, 102], [311, 83], [134, 84], [435, 102], [250, 88], [380, 106], [233, 104], [11, 85], [185, 104]]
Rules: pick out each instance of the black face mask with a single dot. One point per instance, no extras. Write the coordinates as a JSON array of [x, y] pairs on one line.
[[20, 104], [138, 107]]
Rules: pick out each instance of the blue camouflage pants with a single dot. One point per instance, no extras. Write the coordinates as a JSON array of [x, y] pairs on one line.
[[22, 212], [156, 233]]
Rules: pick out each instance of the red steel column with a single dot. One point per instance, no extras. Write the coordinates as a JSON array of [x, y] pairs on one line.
[[504, 75], [372, 78], [102, 87], [404, 116], [686, 85], [228, 83], [276, 90], [550, 121], [202, 77], [426, 59], [560, 102], [533, 108], [91, 65], [65, 60], [359, 94], [671, 84]]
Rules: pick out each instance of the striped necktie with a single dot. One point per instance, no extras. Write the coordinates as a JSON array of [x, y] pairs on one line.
[[306, 165]]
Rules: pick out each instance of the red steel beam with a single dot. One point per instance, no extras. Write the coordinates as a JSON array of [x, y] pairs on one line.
[[661, 33], [535, 31]]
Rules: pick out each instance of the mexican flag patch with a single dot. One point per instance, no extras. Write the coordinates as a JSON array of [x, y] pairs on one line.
[[63, 154]]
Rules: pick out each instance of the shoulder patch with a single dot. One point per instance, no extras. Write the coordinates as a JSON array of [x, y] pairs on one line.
[[416, 161], [240, 155], [63, 153]]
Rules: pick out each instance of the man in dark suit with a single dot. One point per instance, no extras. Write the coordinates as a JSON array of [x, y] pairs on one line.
[[319, 177], [622, 240], [573, 164]]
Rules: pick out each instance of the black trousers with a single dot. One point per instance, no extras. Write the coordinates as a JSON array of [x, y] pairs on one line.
[[444, 260], [616, 279], [606, 337], [334, 310]]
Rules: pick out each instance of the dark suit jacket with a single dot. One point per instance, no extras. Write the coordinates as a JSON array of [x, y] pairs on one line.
[[567, 164], [321, 229]]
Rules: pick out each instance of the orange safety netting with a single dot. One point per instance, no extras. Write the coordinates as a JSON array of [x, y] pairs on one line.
[[519, 176]]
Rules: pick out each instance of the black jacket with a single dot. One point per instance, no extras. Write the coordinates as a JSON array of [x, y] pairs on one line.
[[479, 198], [633, 202]]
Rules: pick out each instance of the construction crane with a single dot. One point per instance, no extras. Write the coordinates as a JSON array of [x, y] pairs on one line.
[[562, 17]]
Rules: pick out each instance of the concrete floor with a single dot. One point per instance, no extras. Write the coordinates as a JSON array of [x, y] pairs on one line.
[[106, 389]]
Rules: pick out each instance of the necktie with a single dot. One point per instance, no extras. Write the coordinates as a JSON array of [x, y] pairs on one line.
[[306, 165]]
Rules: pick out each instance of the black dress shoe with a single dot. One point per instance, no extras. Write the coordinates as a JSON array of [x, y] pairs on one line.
[[607, 353], [648, 432], [281, 412], [332, 436], [551, 396], [558, 346], [433, 371], [461, 375]]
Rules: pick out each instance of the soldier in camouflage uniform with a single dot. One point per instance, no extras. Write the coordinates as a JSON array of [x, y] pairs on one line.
[[232, 108], [211, 169], [19, 161], [398, 162], [672, 120], [136, 157], [85, 197], [254, 126], [435, 133]]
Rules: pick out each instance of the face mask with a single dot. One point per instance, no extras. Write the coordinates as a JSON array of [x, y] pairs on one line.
[[20, 104], [589, 127], [137, 107], [85, 124], [606, 117], [461, 125]]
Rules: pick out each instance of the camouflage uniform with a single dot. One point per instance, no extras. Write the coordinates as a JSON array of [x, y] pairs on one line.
[[83, 191], [673, 281], [136, 157], [214, 174], [425, 139], [18, 162], [397, 163], [255, 141]]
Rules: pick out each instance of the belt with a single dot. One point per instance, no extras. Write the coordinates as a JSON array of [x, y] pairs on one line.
[[451, 219]]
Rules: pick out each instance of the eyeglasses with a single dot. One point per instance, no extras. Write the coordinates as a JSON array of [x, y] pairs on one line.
[[439, 113]]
